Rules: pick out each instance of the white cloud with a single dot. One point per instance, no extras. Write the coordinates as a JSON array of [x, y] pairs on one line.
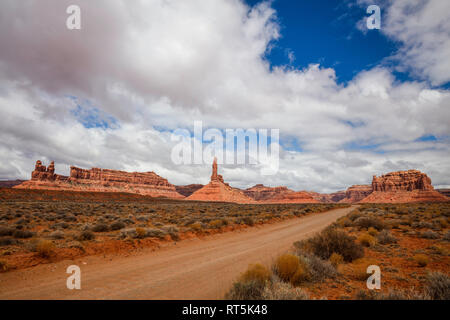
[[422, 29], [165, 64]]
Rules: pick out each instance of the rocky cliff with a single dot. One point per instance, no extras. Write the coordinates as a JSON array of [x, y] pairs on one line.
[[403, 186], [402, 181], [356, 193], [100, 180], [263, 194]]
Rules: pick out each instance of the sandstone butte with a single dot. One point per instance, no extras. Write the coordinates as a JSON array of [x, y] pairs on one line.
[[263, 194], [219, 191], [356, 193], [402, 187], [100, 180]]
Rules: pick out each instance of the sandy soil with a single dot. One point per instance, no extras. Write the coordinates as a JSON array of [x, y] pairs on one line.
[[190, 269]]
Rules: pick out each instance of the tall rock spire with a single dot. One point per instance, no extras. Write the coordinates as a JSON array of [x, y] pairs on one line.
[[214, 175]]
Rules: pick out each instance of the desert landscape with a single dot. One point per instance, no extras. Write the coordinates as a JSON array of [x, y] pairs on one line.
[[325, 241]]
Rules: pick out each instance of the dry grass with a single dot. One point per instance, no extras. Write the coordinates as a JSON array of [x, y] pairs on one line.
[[256, 272], [45, 248], [421, 260], [367, 240], [286, 266], [336, 259]]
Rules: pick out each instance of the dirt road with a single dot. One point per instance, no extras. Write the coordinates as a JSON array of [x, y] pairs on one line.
[[190, 269]]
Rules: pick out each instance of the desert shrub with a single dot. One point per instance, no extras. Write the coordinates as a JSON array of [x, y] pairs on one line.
[[317, 269], [100, 227], [256, 272], [279, 290], [70, 218], [354, 215], [4, 231], [359, 268], [155, 233], [301, 275], [429, 234], [446, 236], [86, 235], [390, 295], [437, 286], [336, 259], [143, 219], [248, 290], [7, 241], [366, 240], [118, 225], [248, 221], [3, 266], [372, 231], [394, 223], [216, 224], [332, 241], [45, 248], [286, 266], [344, 222], [367, 222], [22, 234], [141, 233], [197, 226], [385, 237], [57, 235], [421, 259]]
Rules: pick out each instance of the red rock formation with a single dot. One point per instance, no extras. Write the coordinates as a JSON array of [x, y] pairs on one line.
[[100, 180], [402, 181], [328, 197], [219, 191], [356, 193], [402, 187], [189, 189], [260, 192], [264, 194]]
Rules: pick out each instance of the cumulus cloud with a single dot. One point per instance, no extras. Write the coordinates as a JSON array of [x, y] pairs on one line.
[[421, 27], [110, 94]]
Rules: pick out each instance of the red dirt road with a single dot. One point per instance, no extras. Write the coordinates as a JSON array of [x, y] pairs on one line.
[[191, 269]]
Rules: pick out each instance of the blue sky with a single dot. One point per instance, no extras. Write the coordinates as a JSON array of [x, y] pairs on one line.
[[324, 32]]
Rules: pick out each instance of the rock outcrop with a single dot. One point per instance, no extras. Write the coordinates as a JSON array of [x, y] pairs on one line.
[[260, 192], [263, 194], [402, 187], [100, 180], [328, 197], [189, 189], [356, 193], [219, 191], [402, 181]]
